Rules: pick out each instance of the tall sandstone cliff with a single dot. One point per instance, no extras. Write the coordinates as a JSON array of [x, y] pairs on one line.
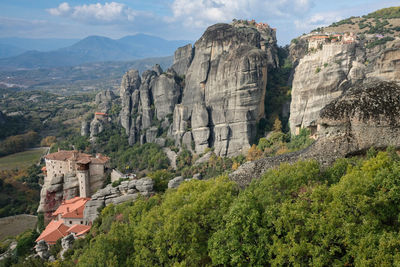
[[322, 75], [225, 88], [212, 96]]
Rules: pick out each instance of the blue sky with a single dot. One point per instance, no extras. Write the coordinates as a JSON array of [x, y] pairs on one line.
[[170, 19]]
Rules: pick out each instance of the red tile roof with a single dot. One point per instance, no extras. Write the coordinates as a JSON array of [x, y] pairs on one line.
[[79, 157], [73, 207], [83, 232], [67, 154], [75, 214], [100, 159], [319, 37], [54, 231], [79, 228]]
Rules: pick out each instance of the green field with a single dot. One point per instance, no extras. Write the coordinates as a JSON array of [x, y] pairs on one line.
[[22, 159]]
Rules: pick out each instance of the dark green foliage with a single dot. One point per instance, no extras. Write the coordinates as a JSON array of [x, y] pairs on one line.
[[379, 27], [342, 22], [31, 179], [73, 140], [300, 141], [295, 215], [246, 237], [55, 249], [277, 94], [139, 157], [184, 159], [18, 143], [385, 13], [161, 179], [40, 222], [112, 139], [26, 242], [19, 191], [163, 231], [381, 41]]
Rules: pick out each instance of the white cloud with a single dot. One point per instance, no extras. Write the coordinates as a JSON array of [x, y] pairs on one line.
[[200, 13], [318, 20], [61, 10], [108, 12]]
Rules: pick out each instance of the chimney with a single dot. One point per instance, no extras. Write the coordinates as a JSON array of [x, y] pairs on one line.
[[58, 149], [67, 209]]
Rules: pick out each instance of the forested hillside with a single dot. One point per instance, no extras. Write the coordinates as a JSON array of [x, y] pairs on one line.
[[299, 214]]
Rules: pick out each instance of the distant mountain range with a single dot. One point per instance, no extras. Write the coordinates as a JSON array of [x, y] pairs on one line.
[[80, 78], [43, 45], [89, 49]]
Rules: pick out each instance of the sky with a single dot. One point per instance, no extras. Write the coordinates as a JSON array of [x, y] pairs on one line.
[[171, 19]]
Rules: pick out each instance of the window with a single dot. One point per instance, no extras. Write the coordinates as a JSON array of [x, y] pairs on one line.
[[70, 222], [81, 222]]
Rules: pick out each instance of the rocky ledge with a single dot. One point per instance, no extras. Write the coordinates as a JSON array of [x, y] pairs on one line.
[[365, 116], [126, 191]]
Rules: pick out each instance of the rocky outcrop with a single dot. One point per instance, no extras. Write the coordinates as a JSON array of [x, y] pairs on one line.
[[182, 59], [104, 100], [66, 244], [224, 89], [365, 116], [126, 191], [174, 183], [85, 128], [147, 100], [55, 190], [171, 156], [166, 94], [42, 249], [324, 74], [97, 126], [368, 115], [213, 95]]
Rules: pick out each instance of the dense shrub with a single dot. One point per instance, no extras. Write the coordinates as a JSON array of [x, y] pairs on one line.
[[295, 215], [18, 143], [169, 230]]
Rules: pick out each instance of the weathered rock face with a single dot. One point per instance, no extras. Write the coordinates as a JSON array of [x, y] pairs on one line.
[[66, 244], [130, 83], [323, 75], [365, 116], [225, 88], [182, 59], [126, 191], [42, 249], [145, 98], [166, 94], [96, 127], [55, 190], [85, 128], [174, 183], [104, 100]]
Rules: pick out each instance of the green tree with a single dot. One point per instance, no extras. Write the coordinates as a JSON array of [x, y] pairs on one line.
[[246, 237]]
